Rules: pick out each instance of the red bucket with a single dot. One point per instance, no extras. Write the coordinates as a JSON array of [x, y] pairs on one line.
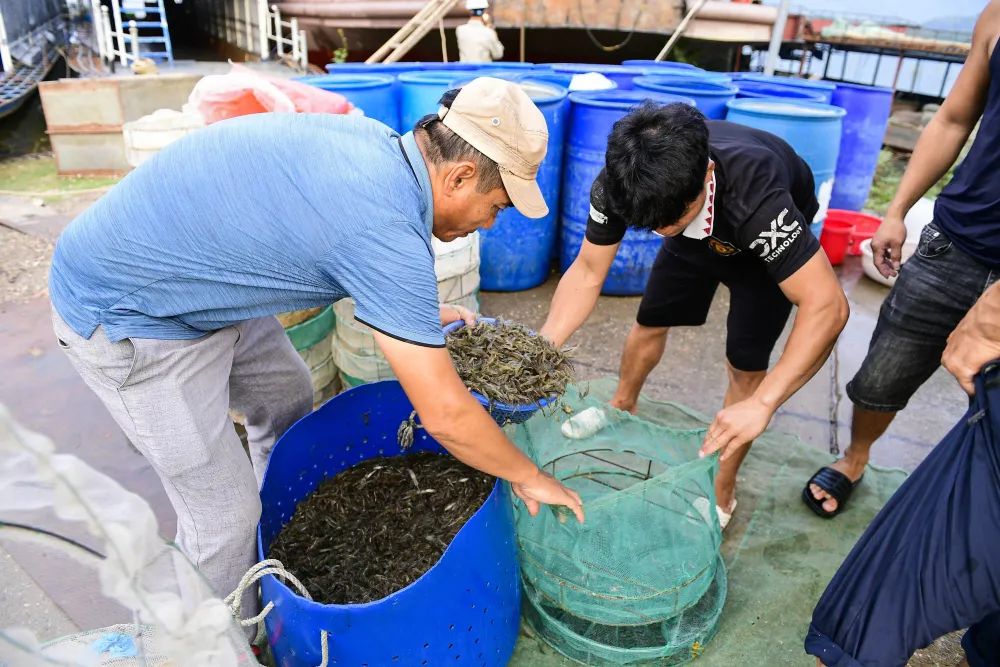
[[865, 227], [836, 236]]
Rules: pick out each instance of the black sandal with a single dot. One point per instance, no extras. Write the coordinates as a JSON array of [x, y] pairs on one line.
[[834, 483]]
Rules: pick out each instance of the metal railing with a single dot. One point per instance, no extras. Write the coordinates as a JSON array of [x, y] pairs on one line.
[[255, 27]]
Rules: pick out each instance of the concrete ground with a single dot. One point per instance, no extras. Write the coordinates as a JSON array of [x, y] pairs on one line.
[[50, 594]]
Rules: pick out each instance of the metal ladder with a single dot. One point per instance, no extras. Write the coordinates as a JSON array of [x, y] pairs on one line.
[[139, 14], [414, 30]]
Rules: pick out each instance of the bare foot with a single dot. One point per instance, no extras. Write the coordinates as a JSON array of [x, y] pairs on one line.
[[624, 404], [853, 468]]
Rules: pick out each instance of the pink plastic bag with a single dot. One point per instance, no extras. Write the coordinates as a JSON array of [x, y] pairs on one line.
[[244, 91]]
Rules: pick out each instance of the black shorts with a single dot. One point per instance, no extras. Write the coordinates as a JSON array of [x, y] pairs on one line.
[[682, 284]]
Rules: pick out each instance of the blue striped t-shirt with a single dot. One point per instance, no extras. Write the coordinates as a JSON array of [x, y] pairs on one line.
[[255, 216]]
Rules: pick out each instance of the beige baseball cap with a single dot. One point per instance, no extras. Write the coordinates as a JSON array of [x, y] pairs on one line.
[[501, 121]]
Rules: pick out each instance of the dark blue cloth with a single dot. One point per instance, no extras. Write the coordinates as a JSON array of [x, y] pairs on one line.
[[929, 563], [968, 209]]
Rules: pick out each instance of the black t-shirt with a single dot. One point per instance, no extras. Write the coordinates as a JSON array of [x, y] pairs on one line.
[[764, 201]]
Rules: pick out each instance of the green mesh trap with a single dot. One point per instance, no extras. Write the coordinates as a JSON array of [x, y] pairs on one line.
[[641, 582]]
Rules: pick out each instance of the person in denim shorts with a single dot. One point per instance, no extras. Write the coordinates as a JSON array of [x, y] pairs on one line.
[[957, 259]]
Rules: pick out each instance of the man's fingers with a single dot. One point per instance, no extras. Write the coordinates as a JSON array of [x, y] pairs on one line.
[[714, 441], [532, 506], [577, 509], [968, 384]]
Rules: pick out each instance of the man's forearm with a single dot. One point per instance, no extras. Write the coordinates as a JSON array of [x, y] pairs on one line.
[[469, 433], [574, 301], [937, 149], [814, 333], [985, 314]]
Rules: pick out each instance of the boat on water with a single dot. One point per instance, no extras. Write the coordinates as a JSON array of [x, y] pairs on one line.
[[32, 37]]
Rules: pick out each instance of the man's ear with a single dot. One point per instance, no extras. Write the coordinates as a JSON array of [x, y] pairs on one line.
[[460, 174]]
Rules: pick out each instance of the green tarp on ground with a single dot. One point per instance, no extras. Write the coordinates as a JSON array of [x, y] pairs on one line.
[[778, 554]]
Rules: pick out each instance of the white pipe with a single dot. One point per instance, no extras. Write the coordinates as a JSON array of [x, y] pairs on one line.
[[109, 45], [5, 58], [133, 32], [679, 30], [249, 22], [262, 30], [777, 36], [95, 16], [295, 39], [303, 49]]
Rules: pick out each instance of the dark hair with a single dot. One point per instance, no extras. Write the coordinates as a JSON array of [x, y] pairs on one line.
[[656, 162], [443, 146]]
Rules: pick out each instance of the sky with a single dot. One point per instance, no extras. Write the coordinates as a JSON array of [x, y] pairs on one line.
[[915, 10]]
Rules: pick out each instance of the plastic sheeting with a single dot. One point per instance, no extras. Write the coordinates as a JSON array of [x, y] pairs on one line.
[[181, 617]]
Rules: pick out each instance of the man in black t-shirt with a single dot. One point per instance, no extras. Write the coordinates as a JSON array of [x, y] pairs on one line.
[[734, 205]]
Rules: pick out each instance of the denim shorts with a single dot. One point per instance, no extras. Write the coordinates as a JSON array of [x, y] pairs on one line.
[[934, 291]]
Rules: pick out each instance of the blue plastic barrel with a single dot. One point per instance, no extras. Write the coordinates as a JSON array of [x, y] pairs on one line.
[[813, 130], [564, 79], [507, 65], [759, 89], [375, 68], [709, 96], [824, 88], [665, 64], [391, 69], [375, 94], [516, 253], [591, 117], [505, 74], [465, 610], [432, 66], [420, 93], [622, 76], [868, 111]]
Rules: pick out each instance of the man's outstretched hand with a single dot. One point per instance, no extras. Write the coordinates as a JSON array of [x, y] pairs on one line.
[[735, 427], [544, 488]]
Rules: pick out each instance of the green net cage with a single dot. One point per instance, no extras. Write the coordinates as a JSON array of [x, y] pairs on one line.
[[641, 582]]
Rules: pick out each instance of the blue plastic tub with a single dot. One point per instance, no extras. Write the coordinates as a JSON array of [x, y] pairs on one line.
[[824, 88], [710, 97], [868, 111], [813, 130], [591, 118], [420, 93], [464, 610], [621, 75], [502, 413], [375, 94], [759, 89], [516, 253]]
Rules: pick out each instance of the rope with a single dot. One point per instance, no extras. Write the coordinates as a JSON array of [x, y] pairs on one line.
[[274, 567], [628, 38]]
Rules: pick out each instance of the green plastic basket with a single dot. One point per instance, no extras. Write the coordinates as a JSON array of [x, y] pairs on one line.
[[311, 332]]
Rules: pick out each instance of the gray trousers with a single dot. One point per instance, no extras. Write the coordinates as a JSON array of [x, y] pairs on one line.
[[172, 397]]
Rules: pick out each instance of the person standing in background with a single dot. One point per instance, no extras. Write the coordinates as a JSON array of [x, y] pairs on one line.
[[477, 40], [957, 259]]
